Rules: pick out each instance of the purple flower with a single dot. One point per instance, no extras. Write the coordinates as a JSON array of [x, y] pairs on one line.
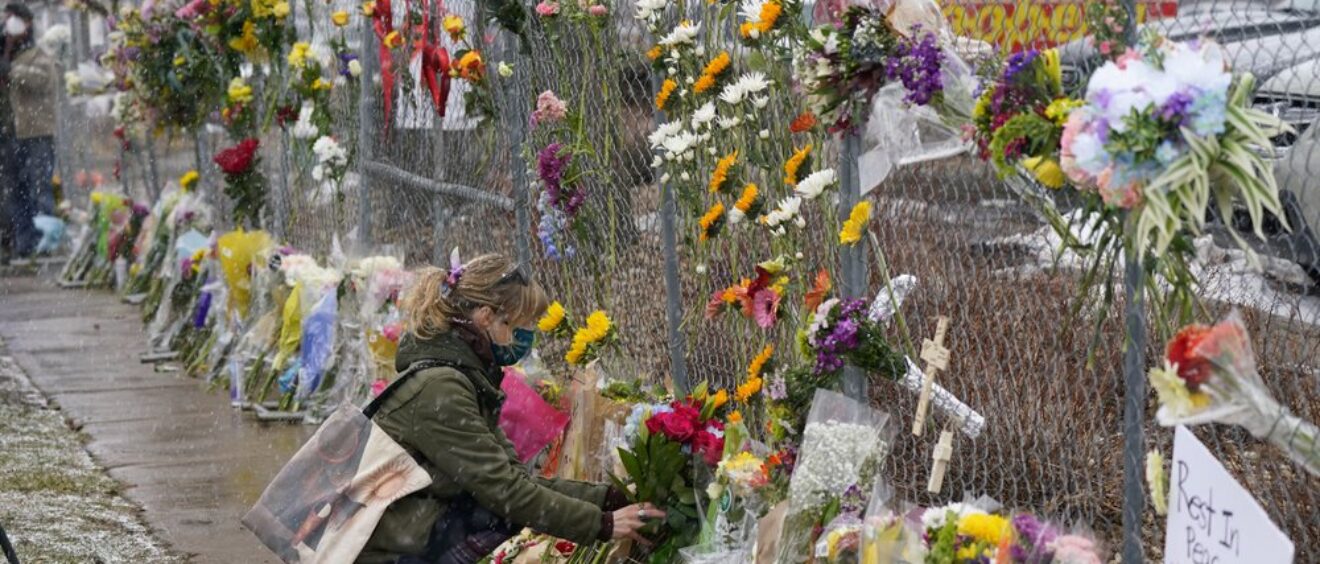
[[344, 60], [1017, 63], [1032, 538], [1175, 108], [916, 63], [551, 163]]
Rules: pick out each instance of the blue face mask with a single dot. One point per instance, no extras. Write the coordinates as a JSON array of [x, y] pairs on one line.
[[509, 355]]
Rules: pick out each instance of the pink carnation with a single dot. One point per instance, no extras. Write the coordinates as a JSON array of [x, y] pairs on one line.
[[549, 108], [1075, 549], [547, 9], [598, 10], [193, 9]]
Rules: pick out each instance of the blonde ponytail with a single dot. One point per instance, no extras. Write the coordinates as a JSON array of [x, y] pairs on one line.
[[488, 280]]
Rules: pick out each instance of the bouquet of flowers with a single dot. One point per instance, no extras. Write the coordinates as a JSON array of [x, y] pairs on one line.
[[1163, 129], [659, 464], [245, 185], [1019, 117], [844, 444], [1209, 376], [842, 67], [841, 330], [172, 64], [964, 533]]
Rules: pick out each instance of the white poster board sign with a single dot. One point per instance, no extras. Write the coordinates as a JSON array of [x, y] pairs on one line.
[[1212, 518]]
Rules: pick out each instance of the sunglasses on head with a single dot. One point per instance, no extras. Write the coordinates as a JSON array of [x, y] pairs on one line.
[[515, 276]]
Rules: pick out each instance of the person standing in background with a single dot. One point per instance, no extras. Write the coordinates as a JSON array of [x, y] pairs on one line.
[[31, 83], [8, 177]]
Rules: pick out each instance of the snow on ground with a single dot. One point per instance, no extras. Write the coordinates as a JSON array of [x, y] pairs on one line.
[[56, 504], [1223, 275]]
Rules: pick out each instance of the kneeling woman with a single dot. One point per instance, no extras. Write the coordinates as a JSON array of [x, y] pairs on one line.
[[446, 416]]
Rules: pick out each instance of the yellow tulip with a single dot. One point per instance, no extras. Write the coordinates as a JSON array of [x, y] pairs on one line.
[[394, 40], [368, 9], [339, 18], [189, 179]]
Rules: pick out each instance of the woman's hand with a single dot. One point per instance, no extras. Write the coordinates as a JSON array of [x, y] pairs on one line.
[[629, 520]]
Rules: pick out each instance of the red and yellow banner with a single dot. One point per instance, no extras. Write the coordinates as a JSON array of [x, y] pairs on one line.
[[1034, 24]]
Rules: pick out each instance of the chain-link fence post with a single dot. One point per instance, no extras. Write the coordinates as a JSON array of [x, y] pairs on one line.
[[152, 172], [673, 291], [1134, 380], [280, 191], [852, 258], [515, 111], [365, 120]]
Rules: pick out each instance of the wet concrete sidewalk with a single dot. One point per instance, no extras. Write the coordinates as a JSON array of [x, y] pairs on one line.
[[190, 460]]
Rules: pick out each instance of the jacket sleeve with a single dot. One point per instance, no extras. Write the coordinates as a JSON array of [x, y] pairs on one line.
[[454, 438]]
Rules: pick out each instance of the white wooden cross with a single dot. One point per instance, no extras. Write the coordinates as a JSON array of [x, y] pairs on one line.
[[940, 456], [937, 358]]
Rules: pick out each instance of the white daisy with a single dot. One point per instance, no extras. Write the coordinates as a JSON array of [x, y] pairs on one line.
[[816, 183], [649, 9], [733, 94], [729, 123], [753, 82], [679, 145], [684, 34], [704, 115], [664, 131]]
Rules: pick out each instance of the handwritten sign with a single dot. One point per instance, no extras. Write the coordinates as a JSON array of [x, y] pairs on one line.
[[1212, 518], [1034, 24]]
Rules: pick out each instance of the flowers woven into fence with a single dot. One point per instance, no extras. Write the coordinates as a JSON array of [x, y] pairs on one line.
[[245, 185]]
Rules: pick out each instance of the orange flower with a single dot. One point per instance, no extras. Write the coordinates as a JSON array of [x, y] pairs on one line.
[[706, 82], [711, 222], [804, 122], [721, 173], [735, 417], [758, 363], [795, 162], [471, 67], [748, 199], [666, 90], [765, 21], [816, 295], [713, 69], [655, 53]]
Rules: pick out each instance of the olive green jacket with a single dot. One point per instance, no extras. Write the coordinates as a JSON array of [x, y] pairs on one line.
[[448, 420]]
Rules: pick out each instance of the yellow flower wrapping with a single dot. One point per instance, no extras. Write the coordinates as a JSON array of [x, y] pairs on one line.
[[238, 251]]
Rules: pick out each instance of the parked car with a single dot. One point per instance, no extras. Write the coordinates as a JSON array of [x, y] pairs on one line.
[[1293, 95], [1259, 38]]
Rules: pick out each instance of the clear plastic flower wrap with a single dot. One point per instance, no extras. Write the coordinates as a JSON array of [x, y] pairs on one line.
[[1209, 375], [844, 445], [888, 536]]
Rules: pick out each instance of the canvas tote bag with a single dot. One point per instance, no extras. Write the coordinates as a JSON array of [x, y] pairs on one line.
[[326, 501]]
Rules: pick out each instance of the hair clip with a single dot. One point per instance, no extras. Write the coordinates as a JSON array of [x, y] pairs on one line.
[[455, 274]]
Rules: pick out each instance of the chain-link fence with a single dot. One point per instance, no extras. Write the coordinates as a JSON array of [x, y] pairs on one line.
[[1042, 364]]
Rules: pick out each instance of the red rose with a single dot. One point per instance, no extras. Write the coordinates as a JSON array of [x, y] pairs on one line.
[[709, 447], [689, 412], [565, 548], [238, 159], [672, 425], [1193, 368]]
